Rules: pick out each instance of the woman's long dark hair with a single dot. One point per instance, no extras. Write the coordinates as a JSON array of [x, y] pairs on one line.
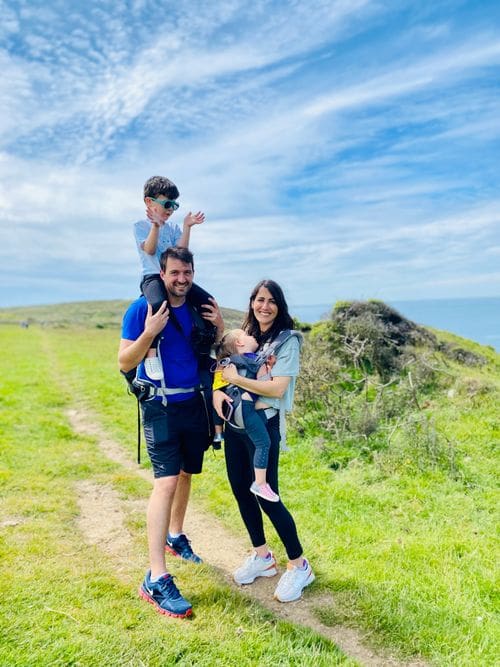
[[283, 319]]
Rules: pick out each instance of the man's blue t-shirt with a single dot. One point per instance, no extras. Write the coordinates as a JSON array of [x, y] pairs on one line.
[[180, 364]]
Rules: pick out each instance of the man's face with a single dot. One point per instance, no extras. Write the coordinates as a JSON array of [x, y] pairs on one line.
[[177, 277]]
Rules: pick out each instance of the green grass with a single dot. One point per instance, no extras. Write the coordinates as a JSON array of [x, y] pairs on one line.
[[64, 602], [409, 555]]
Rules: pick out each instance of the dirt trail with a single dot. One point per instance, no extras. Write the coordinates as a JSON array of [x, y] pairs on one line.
[[102, 521]]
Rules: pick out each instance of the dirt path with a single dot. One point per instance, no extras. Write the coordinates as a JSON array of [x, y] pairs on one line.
[[102, 521]]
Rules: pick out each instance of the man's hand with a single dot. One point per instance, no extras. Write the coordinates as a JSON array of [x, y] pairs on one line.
[[214, 316], [194, 219], [154, 324], [132, 352]]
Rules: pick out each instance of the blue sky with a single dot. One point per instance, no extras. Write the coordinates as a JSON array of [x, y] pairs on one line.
[[346, 149]]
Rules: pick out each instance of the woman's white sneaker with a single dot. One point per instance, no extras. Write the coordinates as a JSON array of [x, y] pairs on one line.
[[255, 566], [293, 582]]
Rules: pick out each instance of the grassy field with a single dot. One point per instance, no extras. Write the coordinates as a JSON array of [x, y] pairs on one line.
[[87, 314], [64, 602], [409, 555]]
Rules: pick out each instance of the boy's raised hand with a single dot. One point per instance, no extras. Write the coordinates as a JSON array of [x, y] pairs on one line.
[[155, 217], [194, 219]]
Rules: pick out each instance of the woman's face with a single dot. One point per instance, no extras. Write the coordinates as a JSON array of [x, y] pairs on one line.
[[264, 308]]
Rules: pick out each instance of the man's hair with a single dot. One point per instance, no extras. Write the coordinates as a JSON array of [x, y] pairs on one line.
[[283, 319], [227, 346], [159, 185], [182, 254]]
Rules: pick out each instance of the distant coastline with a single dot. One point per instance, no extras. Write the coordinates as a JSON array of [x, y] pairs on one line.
[[474, 318]]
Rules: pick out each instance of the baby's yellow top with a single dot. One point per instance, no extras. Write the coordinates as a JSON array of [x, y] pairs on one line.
[[219, 381]]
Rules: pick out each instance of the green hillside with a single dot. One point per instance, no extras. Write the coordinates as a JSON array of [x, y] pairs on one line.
[[91, 314]]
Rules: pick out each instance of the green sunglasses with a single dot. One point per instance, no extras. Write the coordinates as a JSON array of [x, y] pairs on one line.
[[166, 203]]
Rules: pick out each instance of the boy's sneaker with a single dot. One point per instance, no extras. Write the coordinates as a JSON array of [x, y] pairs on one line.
[[181, 547], [264, 491], [218, 440], [164, 596], [292, 583], [153, 368], [255, 566]]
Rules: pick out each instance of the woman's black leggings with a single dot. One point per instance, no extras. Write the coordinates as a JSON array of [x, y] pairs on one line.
[[239, 452]]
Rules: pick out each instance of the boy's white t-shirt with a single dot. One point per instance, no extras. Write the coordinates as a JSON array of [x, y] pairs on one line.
[[168, 237]]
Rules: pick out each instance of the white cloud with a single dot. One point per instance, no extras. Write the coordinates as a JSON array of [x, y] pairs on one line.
[[316, 162]]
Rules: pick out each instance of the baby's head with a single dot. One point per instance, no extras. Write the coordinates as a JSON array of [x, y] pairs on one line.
[[236, 341]]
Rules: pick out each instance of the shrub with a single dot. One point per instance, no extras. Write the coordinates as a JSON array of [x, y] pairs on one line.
[[366, 377]]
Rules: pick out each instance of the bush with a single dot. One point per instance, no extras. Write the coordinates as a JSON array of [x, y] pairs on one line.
[[365, 384]]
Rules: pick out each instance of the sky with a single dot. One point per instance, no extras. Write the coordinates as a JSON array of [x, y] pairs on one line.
[[346, 149]]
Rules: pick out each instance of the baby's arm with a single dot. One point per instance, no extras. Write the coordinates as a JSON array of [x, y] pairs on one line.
[[190, 220]]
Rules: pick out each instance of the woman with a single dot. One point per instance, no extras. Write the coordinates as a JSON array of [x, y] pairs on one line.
[[267, 316]]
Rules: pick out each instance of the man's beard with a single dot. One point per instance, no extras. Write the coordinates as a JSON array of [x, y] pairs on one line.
[[178, 291]]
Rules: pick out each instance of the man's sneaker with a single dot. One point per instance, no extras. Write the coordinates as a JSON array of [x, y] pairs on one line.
[[255, 566], [153, 368], [181, 547], [264, 491], [164, 596], [292, 583]]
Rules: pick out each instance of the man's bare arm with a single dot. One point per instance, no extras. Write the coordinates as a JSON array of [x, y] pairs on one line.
[[132, 352]]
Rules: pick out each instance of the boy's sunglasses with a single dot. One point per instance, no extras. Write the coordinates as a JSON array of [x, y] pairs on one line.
[[166, 203]]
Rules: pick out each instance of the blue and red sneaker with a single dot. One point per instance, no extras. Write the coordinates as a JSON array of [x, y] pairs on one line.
[[165, 596], [181, 547]]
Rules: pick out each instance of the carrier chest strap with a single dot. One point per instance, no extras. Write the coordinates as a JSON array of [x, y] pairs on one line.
[[170, 391]]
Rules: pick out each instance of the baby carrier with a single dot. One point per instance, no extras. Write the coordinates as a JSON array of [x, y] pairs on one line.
[[248, 367]]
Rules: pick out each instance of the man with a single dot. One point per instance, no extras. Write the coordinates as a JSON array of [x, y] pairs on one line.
[[176, 415]]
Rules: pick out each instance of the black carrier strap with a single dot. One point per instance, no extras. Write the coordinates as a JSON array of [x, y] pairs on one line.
[[138, 433], [138, 392]]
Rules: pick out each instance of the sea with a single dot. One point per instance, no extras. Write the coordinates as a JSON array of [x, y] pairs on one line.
[[475, 318]]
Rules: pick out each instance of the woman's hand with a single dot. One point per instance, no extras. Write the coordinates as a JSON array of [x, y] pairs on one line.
[[230, 374], [219, 398]]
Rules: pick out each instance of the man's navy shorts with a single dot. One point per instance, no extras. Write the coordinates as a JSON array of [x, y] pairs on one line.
[[176, 435]]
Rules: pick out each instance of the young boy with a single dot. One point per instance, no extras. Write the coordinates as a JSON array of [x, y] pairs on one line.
[[153, 236], [239, 348]]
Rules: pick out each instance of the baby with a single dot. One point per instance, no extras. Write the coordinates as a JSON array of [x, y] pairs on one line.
[[246, 411]]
